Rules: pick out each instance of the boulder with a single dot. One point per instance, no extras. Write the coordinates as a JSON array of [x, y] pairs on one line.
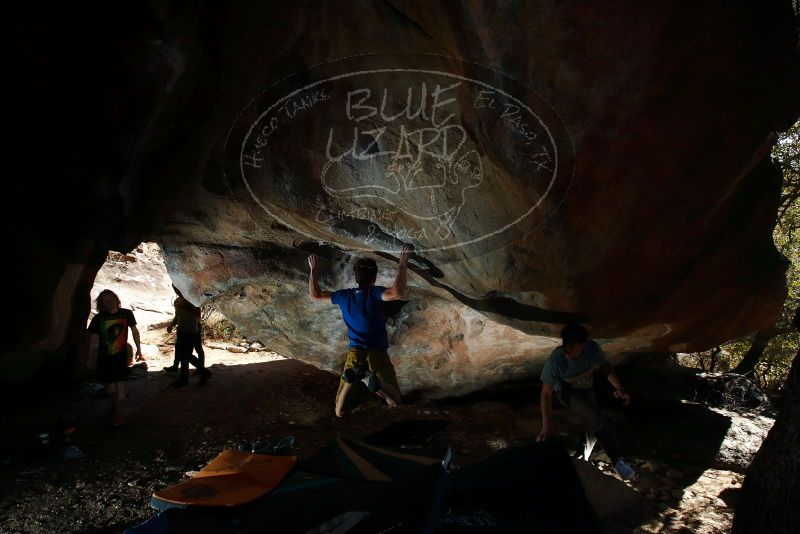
[[549, 161]]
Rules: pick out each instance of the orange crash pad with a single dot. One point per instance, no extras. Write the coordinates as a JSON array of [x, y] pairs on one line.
[[231, 479]]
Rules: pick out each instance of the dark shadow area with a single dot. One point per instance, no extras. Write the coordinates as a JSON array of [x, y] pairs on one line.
[[323, 250], [535, 485], [407, 433], [169, 433], [335, 254], [516, 393], [730, 496], [668, 415], [392, 307], [690, 432], [112, 529], [504, 306]]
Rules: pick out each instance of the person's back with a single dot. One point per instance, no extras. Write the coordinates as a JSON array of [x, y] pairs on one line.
[[362, 312], [187, 316]]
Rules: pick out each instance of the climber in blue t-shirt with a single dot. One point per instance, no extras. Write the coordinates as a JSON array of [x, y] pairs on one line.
[[362, 310]]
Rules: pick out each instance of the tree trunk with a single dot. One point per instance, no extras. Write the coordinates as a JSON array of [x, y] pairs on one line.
[[714, 356], [770, 498], [750, 360]]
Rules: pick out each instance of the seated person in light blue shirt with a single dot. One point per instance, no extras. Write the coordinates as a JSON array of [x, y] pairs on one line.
[[362, 311], [568, 371]]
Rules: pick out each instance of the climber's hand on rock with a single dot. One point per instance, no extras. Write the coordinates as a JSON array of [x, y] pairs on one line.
[[408, 249]]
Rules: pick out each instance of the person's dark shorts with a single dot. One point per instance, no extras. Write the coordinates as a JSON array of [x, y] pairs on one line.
[[112, 368]]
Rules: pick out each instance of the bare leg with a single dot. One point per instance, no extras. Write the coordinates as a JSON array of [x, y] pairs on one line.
[[121, 396], [111, 389], [342, 398], [390, 394], [585, 403], [119, 402], [198, 347]]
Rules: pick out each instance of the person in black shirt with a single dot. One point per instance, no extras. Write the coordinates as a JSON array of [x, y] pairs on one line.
[[108, 344]]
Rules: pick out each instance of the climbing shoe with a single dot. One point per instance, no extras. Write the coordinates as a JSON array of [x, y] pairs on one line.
[[355, 373], [372, 382]]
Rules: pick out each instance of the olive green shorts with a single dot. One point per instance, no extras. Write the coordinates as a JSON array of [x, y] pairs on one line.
[[377, 361]]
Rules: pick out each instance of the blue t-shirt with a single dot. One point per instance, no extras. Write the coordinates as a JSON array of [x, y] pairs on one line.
[[577, 373], [362, 311]]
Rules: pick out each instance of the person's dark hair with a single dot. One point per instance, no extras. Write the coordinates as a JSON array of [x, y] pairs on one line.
[[366, 271], [574, 333]]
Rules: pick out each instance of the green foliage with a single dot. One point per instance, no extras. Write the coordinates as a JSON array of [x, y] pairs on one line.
[[222, 330], [786, 155], [774, 364], [216, 327]]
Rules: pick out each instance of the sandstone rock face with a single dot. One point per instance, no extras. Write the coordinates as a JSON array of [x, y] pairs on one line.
[[742, 440], [549, 161], [439, 346]]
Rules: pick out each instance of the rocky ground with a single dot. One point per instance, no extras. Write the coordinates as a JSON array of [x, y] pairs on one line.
[[690, 457]]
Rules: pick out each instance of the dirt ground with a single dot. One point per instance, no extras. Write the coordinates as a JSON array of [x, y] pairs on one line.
[[251, 396], [262, 396]]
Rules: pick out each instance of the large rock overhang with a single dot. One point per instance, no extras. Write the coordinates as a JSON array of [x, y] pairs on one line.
[[614, 169]]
